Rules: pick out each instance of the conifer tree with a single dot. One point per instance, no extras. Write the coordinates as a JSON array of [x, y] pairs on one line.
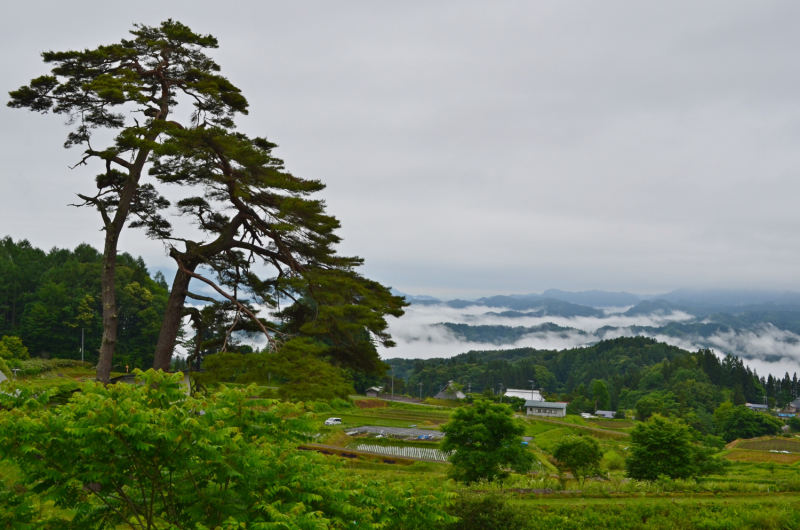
[[144, 78]]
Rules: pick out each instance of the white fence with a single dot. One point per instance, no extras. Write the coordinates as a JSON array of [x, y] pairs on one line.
[[408, 452]]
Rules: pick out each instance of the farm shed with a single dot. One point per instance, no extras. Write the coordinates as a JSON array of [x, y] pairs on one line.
[[546, 409], [374, 391]]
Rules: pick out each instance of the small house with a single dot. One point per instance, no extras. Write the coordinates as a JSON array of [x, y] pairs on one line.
[[546, 408], [374, 391], [756, 407], [793, 406], [448, 392], [607, 414], [528, 395]]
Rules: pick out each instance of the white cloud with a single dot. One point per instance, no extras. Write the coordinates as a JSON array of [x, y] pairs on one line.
[[418, 338]]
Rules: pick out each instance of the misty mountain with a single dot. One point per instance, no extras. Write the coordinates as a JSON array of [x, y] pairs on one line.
[[656, 307], [705, 301], [729, 298], [592, 298], [502, 334]]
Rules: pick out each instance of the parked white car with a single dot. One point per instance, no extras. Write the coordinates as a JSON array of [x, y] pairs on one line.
[[333, 421]]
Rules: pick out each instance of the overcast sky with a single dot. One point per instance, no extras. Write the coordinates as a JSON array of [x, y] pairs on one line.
[[476, 148]]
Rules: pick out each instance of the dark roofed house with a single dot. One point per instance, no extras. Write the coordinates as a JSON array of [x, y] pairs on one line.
[[546, 408], [607, 414], [448, 392]]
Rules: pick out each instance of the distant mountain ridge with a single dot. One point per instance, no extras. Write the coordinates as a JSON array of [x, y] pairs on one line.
[[706, 300]]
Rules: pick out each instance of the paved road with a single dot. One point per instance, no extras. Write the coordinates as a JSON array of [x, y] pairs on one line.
[[398, 431]]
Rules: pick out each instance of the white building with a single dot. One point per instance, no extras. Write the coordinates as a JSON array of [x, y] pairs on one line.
[[529, 395], [546, 409]]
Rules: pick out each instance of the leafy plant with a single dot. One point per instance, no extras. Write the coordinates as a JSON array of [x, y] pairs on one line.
[[664, 447], [148, 456], [581, 455], [486, 440]]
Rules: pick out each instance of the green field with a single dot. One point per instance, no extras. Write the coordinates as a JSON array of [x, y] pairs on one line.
[[760, 490], [778, 444]]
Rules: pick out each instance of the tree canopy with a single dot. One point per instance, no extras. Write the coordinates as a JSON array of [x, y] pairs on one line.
[[486, 440]]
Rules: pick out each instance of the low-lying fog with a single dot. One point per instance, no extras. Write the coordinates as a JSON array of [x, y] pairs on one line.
[[417, 336]]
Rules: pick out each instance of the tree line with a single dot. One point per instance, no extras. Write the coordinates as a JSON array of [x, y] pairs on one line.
[[53, 298], [616, 374]]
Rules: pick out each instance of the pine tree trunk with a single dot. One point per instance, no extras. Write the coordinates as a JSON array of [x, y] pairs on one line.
[[173, 316], [113, 229]]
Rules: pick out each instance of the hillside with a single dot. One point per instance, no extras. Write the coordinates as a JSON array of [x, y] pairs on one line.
[[693, 384]]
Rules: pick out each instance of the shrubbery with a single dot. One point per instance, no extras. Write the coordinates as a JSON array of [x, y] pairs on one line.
[[148, 456], [663, 447]]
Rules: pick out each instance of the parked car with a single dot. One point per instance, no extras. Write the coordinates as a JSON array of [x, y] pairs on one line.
[[333, 421]]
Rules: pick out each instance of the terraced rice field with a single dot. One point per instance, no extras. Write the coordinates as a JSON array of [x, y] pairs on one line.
[[611, 424], [770, 445], [391, 417], [762, 457]]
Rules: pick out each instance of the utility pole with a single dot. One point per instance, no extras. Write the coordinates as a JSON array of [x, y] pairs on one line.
[[532, 389], [420, 390], [501, 392], [81, 344], [469, 389], [392, 383]]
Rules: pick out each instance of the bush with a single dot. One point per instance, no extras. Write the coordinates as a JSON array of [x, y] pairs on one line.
[[741, 422], [581, 455], [338, 403], [12, 348], [663, 447], [149, 456], [485, 512], [37, 366], [613, 461], [794, 424]]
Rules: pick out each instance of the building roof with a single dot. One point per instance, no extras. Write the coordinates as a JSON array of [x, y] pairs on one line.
[[375, 388], [605, 412], [533, 395], [545, 404]]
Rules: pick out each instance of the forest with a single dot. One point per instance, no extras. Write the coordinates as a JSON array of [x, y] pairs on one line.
[[50, 297], [692, 385]]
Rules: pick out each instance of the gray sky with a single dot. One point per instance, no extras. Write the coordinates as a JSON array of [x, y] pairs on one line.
[[476, 148]]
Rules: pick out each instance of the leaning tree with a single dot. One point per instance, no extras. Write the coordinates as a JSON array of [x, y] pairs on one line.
[[267, 241], [143, 78]]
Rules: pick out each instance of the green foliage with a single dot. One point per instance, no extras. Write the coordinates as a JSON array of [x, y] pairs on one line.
[[600, 395], [664, 447], [581, 455], [646, 407], [741, 422], [38, 366], [487, 440], [488, 511], [150, 457], [52, 296], [303, 374], [794, 423], [12, 348], [613, 461]]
